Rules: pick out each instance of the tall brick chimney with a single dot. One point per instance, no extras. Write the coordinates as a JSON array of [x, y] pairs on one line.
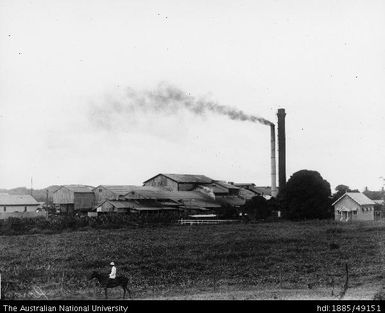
[[281, 149]]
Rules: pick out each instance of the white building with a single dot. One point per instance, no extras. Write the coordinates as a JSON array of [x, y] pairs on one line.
[[23, 206], [354, 206]]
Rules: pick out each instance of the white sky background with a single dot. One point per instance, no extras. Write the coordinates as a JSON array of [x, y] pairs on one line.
[[323, 61]]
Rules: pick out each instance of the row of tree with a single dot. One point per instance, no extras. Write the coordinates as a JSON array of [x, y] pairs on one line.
[[306, 196]]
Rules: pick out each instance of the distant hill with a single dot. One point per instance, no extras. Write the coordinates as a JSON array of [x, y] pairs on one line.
[[39, 194]]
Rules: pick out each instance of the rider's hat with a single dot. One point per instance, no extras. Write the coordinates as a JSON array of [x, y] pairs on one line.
[[112, 263]]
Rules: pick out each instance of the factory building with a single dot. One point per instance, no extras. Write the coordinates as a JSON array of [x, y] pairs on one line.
[[178, 182], [70, 199], [110, 192]]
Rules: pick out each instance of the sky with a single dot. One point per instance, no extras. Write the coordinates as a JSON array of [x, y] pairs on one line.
[[69, 71]]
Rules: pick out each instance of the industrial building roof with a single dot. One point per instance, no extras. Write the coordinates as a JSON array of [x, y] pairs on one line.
[[6, 199], [261, 190], [118, 189], [77, 188], [232, 200], [216, 188], [226, 185], [358, 197], [193, 198], [186, 178]]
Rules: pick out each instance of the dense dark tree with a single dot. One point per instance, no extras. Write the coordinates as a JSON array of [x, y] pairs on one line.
[[340, 191], [342, 188], [306, 196], [257, 208], [227, 211]]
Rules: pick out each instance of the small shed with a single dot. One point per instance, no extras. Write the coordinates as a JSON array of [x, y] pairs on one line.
[[354, 206]]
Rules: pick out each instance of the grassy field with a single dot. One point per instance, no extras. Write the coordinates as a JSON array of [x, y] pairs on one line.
[[180, 261]]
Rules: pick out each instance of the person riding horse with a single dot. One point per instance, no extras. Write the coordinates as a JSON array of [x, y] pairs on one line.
[[113, 271], [112, 280]]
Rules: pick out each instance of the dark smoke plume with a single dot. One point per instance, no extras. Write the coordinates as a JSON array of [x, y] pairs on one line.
[[166, 99]]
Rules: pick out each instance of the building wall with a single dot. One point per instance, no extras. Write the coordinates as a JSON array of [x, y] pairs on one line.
[[162, 181], [65, 208], [105, 207], [17, 208], [33, 214], [364, 213], [84, 201], [186, 187], [102, 194], [62, 196], [108, 207]]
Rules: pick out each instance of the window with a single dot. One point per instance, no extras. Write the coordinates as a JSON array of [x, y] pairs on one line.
[[354, 212], [25, 209], [100, 190], [5, 209]]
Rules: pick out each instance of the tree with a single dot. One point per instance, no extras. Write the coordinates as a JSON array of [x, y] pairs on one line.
[[228, 211], [340, 191], [342, 188], [306, 196], [257, 208]]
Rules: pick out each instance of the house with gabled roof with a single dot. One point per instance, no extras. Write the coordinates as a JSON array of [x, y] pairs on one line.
[[19, 206], [354, 206]]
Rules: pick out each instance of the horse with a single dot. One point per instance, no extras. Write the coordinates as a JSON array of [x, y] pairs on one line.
[[107, 282]]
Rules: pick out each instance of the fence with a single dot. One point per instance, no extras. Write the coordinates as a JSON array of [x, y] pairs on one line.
[[209, 222]]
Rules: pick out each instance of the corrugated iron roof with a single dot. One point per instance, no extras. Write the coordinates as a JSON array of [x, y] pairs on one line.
[[226, 185], [118, 189], [192, 198], [262, 190], [247, 194], [358, 197], [6, 199], [77, 188], [232, 200], [216, 188], [186, 178]]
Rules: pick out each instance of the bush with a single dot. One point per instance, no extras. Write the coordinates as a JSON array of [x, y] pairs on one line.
[[257, 208], [58, 223]]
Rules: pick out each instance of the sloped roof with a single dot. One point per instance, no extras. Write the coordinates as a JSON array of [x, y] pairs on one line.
[[77, 188], [186, 178], [358, 197], [216, 188], [132, 204], [226, 185], [262, 190], [246, 193], [232, 200], [118, 189], [193, 198], [6, 199]]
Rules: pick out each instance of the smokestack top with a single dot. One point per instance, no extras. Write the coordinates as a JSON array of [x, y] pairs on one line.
[[281, 112]]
